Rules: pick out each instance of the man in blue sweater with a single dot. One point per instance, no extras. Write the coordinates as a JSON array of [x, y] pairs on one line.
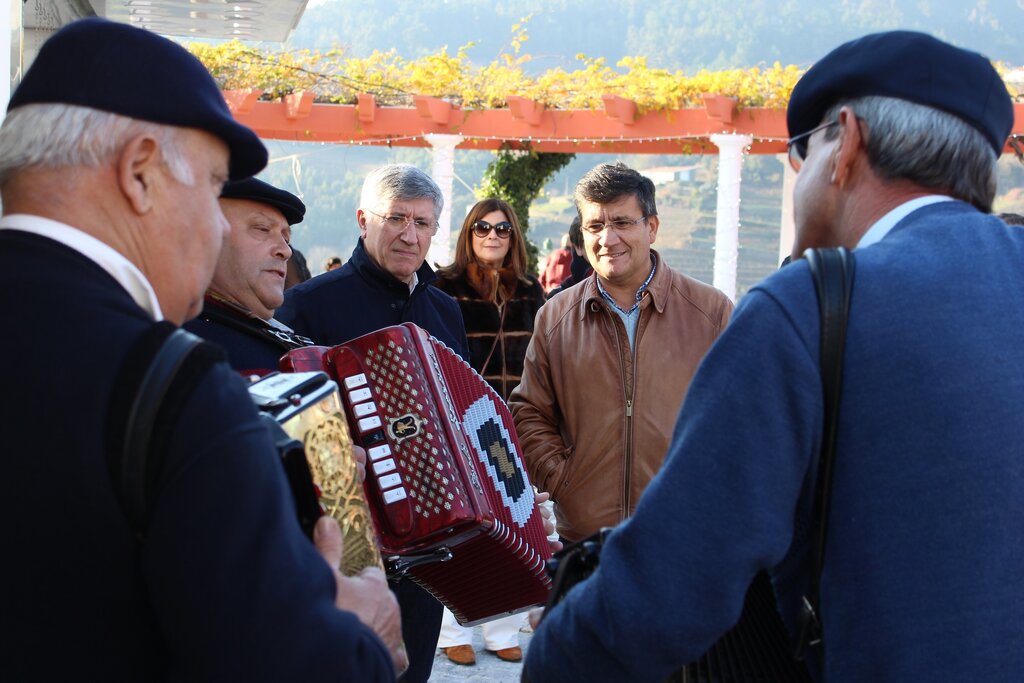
[[387, 282], [114, 150], [896, 138]]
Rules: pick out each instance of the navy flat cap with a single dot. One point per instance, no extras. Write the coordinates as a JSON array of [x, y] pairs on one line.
[[132, 72], [256, 190], [910, 66]]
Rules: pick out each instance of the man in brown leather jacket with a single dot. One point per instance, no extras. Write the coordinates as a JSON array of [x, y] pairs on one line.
[[611, 359]]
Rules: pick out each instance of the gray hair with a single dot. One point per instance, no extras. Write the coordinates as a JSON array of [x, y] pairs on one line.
[[926, 146], [400, 182], [64, 135], [606, 183]]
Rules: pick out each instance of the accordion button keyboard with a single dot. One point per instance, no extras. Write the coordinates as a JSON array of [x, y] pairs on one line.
[[364, 409], [359, 395], [368, 423], [374, 437], [382, 466], [390, 480], [355, 381], [378, 452], [394, 495]]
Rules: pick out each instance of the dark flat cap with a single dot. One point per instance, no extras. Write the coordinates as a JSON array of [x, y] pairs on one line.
[[256, 190], [910, 66], [132, 72]]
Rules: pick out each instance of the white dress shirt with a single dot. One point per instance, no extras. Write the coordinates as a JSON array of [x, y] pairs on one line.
[[120, 268]]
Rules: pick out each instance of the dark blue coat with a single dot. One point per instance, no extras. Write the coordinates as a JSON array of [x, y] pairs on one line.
[[360, 298], [925, 554], [225, 586]]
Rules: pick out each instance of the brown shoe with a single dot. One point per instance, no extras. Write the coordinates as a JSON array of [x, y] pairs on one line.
[[462, 654], [510, 654]]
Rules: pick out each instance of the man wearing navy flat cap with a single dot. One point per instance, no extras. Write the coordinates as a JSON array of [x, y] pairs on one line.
[[248, 285], [112, 157], [896, 138]]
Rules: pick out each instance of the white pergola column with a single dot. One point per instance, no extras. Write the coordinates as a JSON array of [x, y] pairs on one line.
[[443, 172], [727, 218], [787, 229], [10, 18]]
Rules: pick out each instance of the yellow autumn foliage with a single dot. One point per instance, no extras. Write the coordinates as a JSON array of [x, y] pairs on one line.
[[334, 77]]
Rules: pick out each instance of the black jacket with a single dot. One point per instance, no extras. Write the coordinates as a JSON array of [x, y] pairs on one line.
[[360, 298]]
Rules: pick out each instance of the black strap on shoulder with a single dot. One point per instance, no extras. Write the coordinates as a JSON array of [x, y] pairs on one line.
[[254, 327], [157, 377], [833, 271]]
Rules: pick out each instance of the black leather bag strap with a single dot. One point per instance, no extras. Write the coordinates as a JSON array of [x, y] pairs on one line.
[[833, 271], [136, 488], [158, 375]]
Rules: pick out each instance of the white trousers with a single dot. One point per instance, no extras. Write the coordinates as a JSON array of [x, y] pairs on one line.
[[498, 634]]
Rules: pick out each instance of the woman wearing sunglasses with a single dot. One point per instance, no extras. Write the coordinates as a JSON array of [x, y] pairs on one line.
[[499, 302]]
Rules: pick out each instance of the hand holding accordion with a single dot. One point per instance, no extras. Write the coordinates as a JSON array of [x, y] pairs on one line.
[[366, 594], [450, 500]]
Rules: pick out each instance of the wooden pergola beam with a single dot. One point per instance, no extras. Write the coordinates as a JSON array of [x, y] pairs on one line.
[[546, 130], [680, 131]]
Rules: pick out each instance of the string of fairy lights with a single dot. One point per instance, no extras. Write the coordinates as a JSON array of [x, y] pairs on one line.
[[1015, 141], [471, 140]]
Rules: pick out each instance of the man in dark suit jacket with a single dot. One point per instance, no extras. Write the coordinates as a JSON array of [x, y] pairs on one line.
[[109, 179], [248, 285], [387, 282], [896, 138]]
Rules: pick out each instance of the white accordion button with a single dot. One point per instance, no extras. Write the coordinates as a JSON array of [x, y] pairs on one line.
[[355, 381], [378, 452], [390, 480], [394, 495], [383, 466], [359, 395], [368, 423], [364, 409]]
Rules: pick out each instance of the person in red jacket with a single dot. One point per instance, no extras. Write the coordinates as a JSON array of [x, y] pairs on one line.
[[555, 267]]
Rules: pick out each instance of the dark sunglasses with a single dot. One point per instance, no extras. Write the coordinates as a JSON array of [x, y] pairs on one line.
[[483, 229], [797, 146]]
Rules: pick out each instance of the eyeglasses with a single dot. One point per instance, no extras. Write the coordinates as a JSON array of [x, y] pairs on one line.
[[797, 146], [483, 229], [398, 222], [618, 225]]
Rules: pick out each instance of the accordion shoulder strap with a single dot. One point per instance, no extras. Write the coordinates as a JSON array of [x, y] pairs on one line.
[[832, 271], [159, 374]]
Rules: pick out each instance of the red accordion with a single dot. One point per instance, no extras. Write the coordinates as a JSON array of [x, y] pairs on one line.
[[446, 485]]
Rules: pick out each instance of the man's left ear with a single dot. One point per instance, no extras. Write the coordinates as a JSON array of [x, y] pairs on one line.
[[137, 170], [851, 143], [652, 224], [361, 220]]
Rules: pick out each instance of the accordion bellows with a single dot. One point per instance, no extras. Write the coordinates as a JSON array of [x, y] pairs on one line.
[[444, 473]]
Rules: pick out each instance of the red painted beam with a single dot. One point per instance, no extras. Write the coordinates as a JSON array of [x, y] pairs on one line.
[[682, 131]]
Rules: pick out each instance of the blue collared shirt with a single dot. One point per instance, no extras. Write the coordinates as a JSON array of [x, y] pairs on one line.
[[631, 317], [887, 222]]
